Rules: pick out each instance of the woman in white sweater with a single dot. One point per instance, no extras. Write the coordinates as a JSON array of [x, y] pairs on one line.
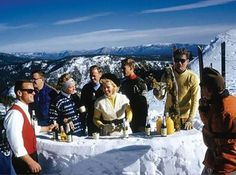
[[112, 111]]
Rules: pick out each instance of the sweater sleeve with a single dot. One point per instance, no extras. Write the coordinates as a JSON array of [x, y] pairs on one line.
[[96, 118], [129, 113], [13, 124], [195, 96]]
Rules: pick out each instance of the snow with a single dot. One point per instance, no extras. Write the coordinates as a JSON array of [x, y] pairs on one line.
[[181, 153], [212, 56]]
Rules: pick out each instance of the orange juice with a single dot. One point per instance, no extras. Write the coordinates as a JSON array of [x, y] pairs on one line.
[[170, 126]]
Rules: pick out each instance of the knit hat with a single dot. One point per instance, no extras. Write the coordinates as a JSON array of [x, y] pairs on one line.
[[111, 77], [213, 79]]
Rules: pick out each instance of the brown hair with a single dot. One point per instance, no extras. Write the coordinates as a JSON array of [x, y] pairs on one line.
[[40, 72], [19, 83], [181, 51], [128, 61], [95, 67]]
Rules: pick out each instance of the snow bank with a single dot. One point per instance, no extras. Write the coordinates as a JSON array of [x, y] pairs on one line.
[[181, 153]]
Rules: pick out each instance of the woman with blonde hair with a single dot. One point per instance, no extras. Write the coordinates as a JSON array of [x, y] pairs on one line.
[[112, 110]]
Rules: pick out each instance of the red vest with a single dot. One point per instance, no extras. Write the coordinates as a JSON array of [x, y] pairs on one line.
[[28, 134]]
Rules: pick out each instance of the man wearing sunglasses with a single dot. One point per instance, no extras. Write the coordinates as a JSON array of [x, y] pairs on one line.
[[19, 130], [188, 90]]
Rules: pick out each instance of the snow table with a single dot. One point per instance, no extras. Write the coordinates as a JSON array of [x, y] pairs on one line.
[[180, 153]]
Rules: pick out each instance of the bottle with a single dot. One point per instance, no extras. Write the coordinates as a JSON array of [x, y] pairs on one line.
[[163, 127], [63, 134], [148, 127], [158, 125], [55, 131], [68, 133], [34, 120], [169, 124], [125, 128]]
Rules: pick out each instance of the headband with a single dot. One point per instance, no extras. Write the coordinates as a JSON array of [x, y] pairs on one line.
[[67, 83]]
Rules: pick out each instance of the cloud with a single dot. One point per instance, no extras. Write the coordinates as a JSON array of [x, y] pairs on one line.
[[121, 37], [6, 27], [202, 4], [80, 19]]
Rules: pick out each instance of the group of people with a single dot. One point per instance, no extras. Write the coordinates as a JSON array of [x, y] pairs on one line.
[[106, 102]]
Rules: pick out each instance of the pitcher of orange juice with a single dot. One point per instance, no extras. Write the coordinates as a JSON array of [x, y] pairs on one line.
[[169, 124]]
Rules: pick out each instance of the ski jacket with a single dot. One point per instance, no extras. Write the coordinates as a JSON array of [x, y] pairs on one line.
[[188, 94], [136, 89], [42, 101], [219, 135]]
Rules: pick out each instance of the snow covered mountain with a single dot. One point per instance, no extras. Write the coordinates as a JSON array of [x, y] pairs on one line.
[[17, 68], [162, 51], [78, 66], [212, 56], [10, 59]]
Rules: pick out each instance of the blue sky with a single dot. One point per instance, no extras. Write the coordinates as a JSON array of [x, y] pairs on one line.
[[57, 25]]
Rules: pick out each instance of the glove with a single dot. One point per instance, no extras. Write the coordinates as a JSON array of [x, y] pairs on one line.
[[108, 128], [159, 90], [188, 125], [204, 105]]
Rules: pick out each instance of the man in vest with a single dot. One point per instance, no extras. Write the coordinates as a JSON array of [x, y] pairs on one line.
[[19, 130]]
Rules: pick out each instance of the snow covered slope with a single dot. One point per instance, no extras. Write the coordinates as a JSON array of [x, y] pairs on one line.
[[212, 56]]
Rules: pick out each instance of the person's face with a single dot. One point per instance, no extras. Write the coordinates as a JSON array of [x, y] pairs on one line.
[[38, 81], [108, 89], [26, 94], [181, 63], [95, 76], [127, 70], [206, 93], [71, 89]]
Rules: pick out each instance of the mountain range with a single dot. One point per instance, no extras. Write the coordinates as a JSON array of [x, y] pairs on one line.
[[150, 60], [160, 51], [19, 65]]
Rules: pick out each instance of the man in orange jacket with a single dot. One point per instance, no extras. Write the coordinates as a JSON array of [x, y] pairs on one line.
[[218, 113]]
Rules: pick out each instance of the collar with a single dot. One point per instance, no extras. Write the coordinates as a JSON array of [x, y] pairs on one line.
[[65, 94], [112, 96], [24, 106], [133, 76], [96, 86]]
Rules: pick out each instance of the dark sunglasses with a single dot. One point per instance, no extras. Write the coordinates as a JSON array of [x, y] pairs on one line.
[[180, 60], [29, 91], [35, 79]]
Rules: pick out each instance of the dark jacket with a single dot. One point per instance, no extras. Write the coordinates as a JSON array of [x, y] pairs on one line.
[[219, 134], [42, 101], [88, 97], [136, 89]]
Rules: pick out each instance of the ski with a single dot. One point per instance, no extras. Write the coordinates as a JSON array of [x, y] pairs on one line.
[[223, 59], [200, 59]]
